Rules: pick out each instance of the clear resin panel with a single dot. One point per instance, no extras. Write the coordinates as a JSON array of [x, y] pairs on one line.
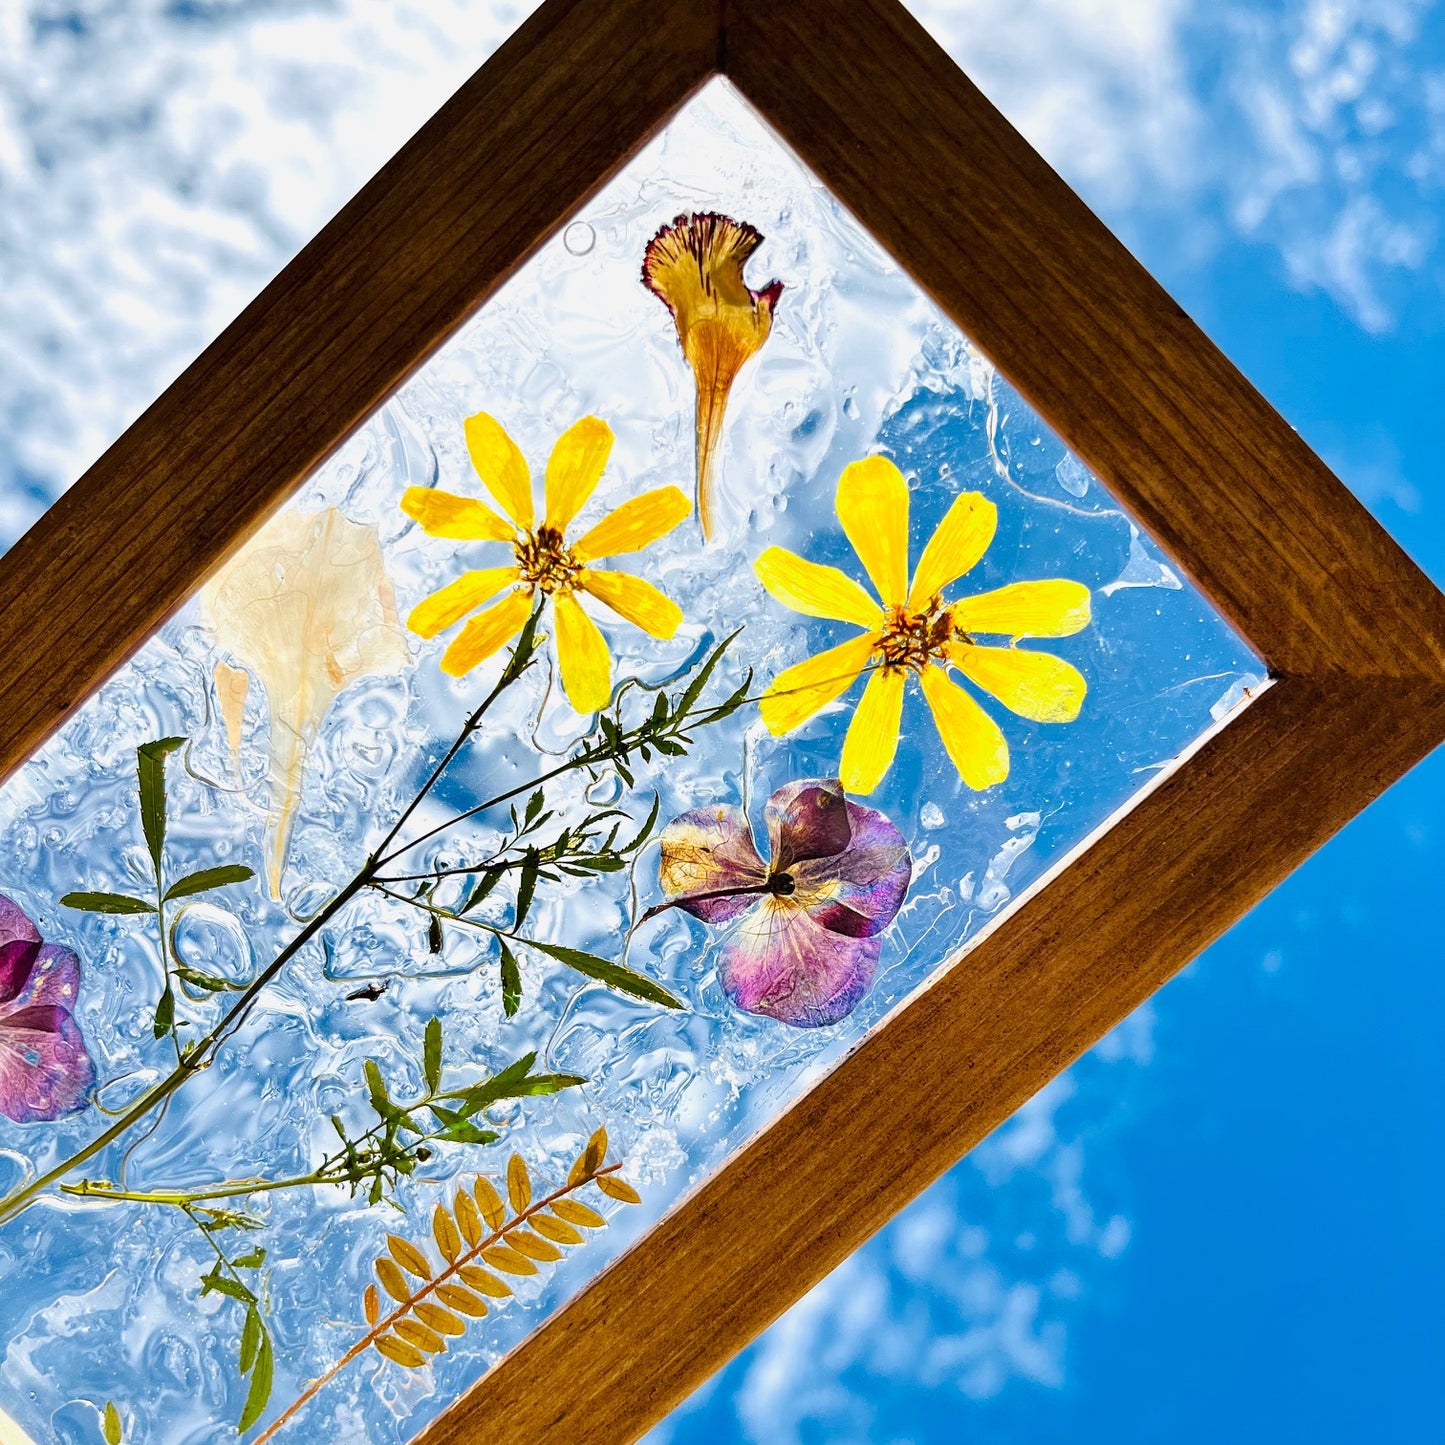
[[628, 902]]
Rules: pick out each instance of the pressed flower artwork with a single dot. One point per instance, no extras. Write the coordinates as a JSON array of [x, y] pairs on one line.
[[487, 852]]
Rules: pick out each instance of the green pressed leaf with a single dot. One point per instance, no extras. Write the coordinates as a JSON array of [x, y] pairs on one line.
[[165, 1019], [151, 771], [260, 1392], [106, 903], [250, 1340], [511, 981], [700, 678], [526, 888], [480, 889], [208, 878], [614, 975], [432, 1054], [534, 806], [254, 1260], [197, 979], [223, 1284], [110, 1424], [645, 831], [434, 938], [376, 1088]]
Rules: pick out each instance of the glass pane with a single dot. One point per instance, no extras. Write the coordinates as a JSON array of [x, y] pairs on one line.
[[630, 874]]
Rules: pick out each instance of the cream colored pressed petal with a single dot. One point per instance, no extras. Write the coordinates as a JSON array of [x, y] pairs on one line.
[[582, 656], [636, 524], [956, 547], [487, 632], [816, 590], [574, 469], [436, 613], [635, 599], [1035, 685], [307, 606], [872, 738], [798, 692], [1054, 607], [970, 736], [502, 468], [873, 509], [462, 519]]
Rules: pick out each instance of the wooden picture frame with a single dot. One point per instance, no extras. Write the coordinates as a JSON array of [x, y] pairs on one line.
[[1352, 631]]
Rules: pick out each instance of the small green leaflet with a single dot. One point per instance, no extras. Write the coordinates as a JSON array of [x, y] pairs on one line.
[[251, 1334], [614, 975], [151, 769], [206, 981], [208, 878], [376, 1087], [110, 1424], [526, 887], [432, 1055], [165, 1019], [261, 1376], [106, 903], [511, 981]]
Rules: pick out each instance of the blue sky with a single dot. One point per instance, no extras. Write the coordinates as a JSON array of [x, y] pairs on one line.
[[1222, 1223]]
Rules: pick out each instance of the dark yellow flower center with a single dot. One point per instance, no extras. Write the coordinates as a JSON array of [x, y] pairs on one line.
[[914, 639], [546, 561]]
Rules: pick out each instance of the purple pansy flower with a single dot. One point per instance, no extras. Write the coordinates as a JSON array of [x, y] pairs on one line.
[[45, 1071], [806, 936]]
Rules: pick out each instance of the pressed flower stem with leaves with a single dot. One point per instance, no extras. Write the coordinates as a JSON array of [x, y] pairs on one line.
[[446, 1296], [666, 731]]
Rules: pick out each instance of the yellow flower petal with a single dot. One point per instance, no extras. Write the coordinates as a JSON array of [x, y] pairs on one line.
[[502, 468], [486, 632], [815, 590], [873, 508], [575, 468], [1052, 608], [873, 734], [797, 693], [956, 546], [970, 736], [436, 613], [444, 514], [636, 600], [582, 655], [1035, 685], [636, 524]]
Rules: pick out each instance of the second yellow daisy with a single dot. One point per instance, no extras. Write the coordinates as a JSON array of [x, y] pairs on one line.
[[543, 561], [916, 632]]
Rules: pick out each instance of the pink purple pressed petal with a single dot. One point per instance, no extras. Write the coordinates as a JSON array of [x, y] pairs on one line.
[[860, 891], [710, 851], [19, 944], [808, 819], [45, 1071], [781, 964]]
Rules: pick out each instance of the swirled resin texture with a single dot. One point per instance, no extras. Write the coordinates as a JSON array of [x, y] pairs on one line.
[[100, 1299]]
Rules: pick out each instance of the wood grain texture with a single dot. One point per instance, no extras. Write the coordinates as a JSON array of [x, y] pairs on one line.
[[557, 110]]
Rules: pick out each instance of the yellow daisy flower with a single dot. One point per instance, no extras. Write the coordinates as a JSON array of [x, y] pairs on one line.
[[917, 632], [544, 561]]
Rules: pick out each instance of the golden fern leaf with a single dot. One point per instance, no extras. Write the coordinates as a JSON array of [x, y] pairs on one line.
[[393, 1281], [508, 1260], [483, 1282], [408, 1256], [533, 1246], [371, 1304], [557, 1230], [489, 1202], [418, 1334], [519, 1184], [443, 1321], [468, 1220], [462, 1300], [576, 1213], [447, 1235], [399, 1351], [618, 1189]]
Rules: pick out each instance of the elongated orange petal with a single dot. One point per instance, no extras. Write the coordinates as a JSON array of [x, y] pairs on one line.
[[574, 469], [486, 632], [873, 508], [873, 734], [582, 655], [636, 524], [956, 546], [816, 590], [970, 736], [799, 691], [464, 519], [1055, 607], [436, 613], [1035, 685], [636, 600], [502, 468]]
